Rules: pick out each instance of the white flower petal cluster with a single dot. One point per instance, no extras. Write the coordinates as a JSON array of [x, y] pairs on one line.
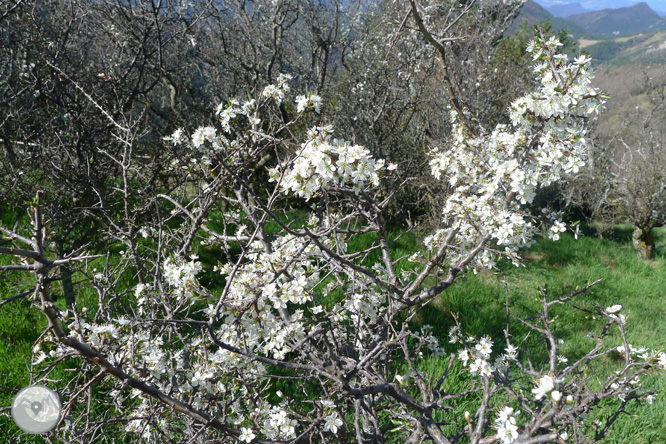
[[612, 313], [181, 276], [554, 219], [98, 335], [478, 356], [277, 91], [257, 286], [151, 353], [278, 426], [332, 423], [494, 174], [203, 134], [661, 360], [246, 435], [645, 354], [176, 138], [506, 425], [324, 163], [207, 142], [547, 386], [511, 352], [305, 102], [138, 425], [426, 338], [613, 309]]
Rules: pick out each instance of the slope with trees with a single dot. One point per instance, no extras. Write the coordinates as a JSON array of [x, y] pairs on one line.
[[625, 179]]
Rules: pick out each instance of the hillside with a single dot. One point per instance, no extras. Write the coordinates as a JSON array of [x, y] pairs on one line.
[[533, 13], [622, 21], [596, 5], [639, 18], [641, 49]]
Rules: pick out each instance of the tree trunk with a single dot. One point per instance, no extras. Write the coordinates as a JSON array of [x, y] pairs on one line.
[[67, 285], [643, 241]]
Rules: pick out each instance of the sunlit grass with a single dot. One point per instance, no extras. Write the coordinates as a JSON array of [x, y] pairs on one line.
[[478, 301], [563, 267]]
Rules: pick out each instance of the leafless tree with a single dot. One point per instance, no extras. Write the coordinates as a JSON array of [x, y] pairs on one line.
[[624, 180]]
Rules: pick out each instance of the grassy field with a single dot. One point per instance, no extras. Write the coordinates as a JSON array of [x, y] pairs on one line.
[[640, 287]]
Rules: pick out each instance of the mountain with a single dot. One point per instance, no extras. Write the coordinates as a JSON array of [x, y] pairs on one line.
[[564, 10], [595, 5], [621, 21], [638, 50], [532, 13]]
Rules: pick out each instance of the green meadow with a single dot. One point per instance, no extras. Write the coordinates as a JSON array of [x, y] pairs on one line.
[[479, 302]]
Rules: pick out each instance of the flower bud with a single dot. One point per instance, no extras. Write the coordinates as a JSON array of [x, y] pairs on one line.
[[556, 395]]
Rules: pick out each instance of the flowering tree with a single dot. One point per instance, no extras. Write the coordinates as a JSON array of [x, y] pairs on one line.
[[87, 84], [295, 306], [392, 89]]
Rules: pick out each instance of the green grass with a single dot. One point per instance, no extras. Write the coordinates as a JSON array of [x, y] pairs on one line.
[[478, 300], [20, 326], [562, 267]]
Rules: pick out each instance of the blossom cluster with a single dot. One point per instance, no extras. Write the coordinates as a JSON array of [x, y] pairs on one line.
[[506, 424], [494, 174], [270, 311], [547, 387], [277, 91], [239, 125], [476, 354], [258, 288], [181, 275], [305, 102], [324, 163]]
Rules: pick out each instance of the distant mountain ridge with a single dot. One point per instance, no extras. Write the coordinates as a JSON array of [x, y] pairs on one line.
[[533, 13], [593, 24], [622, 21], [596, 5]]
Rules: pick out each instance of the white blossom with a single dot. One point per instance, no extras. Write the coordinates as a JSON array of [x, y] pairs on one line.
[[332, 423], [506, 425], [246, 435]]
